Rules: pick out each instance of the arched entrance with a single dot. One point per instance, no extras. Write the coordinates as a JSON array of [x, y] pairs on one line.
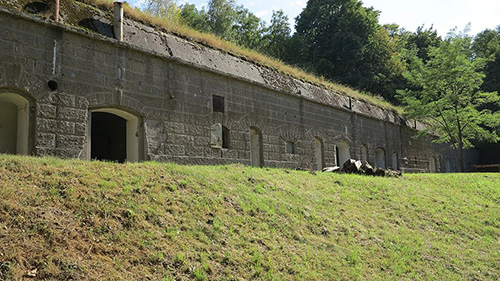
[[114, 135], [447, 166], [342, 151], [380, 157], [318, 153], [394, 160], [432, 164], [256, 154], [14, 123], [364, 153]]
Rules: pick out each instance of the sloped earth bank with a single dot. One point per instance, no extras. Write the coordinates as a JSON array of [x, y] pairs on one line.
[[75, 220]]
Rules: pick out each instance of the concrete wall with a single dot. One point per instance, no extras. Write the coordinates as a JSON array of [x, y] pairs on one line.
[[167, 83]]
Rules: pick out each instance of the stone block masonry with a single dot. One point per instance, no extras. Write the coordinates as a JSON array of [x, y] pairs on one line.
[[156, 92]]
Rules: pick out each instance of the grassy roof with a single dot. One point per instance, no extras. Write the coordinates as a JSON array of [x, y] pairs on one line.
[[251, 55], [213, 41]]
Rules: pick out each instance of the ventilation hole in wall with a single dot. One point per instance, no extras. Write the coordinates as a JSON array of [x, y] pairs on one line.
[[52, 85], [290, 147], [218, 103]]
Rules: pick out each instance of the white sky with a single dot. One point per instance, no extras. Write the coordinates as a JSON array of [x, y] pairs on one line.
[[443, 14]]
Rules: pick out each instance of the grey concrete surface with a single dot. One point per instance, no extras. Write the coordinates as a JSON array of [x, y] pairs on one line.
[[166, 83]]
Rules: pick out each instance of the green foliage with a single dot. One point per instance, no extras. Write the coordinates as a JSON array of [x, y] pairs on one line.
[[164, 9], [445, 94], [193, 18], [277, 38], [221, 15], [247, 29], [422, 40], [199, 275], [344, 42], [335, 32], [487, 46], [228, 21]]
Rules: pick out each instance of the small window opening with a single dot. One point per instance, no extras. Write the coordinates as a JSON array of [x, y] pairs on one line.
[[218, 103], [290, 147], [225, 137]]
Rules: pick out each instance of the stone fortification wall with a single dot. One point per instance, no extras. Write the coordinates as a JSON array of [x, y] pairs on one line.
[[165, 86]]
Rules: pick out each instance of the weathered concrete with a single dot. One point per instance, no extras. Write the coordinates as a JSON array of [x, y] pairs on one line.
[[166, 83]]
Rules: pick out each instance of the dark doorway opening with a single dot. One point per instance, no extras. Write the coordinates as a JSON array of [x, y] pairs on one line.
[[108, 137]]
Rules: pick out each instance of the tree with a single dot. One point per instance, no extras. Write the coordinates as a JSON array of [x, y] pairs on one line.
[[221, 17], [487, 45], [383, 62], [422, 40], [247, 29], [335, 33], [278, 35], [344, 42], [193, 18], [163, 9], [445, 95]]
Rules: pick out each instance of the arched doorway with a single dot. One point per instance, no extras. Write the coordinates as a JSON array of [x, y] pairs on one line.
[[380, 157], [14, 124], [256, 154], [364, 153], [447, 166], [432, 164], [318, 153], [395, 160], [342, 153], [114, 135]]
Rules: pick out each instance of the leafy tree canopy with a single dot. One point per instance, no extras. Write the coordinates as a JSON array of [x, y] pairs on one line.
[[344, 42], [446, 95], [487, 45], [164, 9]]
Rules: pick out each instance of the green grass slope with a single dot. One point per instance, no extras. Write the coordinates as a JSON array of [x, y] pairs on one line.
[[76, 220]]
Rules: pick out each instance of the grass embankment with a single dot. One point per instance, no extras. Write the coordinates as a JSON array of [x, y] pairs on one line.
[[102, 221]]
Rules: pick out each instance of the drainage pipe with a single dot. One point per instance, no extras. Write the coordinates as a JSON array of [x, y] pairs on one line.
[[118, 20], [56, 11]]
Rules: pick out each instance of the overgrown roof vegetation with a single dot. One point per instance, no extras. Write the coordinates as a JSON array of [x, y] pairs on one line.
[[70, 219], [251, 55], [218, 43]]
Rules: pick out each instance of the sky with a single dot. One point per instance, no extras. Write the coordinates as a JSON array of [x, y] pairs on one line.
[[410, 14]]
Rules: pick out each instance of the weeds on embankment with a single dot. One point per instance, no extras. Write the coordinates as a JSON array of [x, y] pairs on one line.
[[70, 219]]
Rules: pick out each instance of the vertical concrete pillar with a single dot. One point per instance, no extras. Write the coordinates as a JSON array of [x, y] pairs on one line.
[[118, 20]]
